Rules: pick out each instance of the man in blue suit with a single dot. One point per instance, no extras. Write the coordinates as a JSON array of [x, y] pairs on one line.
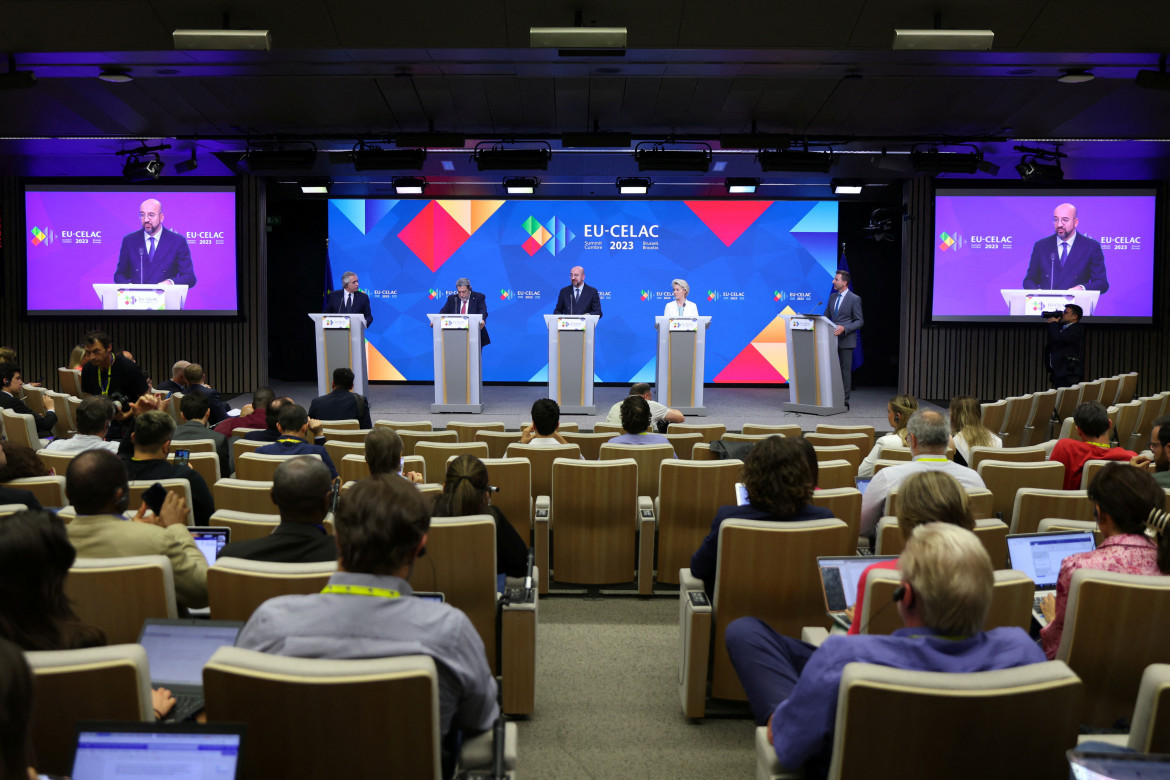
[[844, 310], [466, 301], [349, 299], [154, 255], [1068, 260], [578, 297]]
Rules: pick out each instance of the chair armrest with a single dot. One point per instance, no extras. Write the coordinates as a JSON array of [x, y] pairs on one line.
[[694, 625], [768, 767], [814, 635], [647, 520], [477, 751], [518, 662], [542, 519], [688, 581]]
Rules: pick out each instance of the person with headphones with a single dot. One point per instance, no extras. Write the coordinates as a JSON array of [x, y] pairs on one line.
[[898, 412], [946, 587], [97, 485]]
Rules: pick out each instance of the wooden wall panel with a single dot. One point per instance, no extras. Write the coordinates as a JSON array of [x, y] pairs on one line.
[[233, 352], [996, 361]]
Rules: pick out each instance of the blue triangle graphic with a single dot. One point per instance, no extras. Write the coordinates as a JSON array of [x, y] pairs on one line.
[[353, 210], [822, 218]]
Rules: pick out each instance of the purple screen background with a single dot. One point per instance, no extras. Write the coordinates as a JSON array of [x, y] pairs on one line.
[[969, 275], [61, 275]]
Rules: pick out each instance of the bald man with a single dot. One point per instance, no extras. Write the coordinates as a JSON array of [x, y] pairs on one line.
[[154, 254], [578, 297], [1067, 260]]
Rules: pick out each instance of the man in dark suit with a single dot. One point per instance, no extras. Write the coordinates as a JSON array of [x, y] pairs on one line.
[[301, 490], [197, 383], [196, 413], [1068, 260], [154, 255], [1066, 347], [349, 299], [10, 388], [343, 403], [466, 301], [578, 297], [844, 310]]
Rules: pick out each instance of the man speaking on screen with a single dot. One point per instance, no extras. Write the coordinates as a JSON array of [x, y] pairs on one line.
[[1068, 260], [155, 254]]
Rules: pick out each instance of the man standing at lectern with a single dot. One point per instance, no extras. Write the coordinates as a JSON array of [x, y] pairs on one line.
[[349, 299], [844, 310], [1068, 260], [465, 301], [578, 297], [155, 254]]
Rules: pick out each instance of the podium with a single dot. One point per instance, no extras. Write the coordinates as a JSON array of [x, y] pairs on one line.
[[341, 343], [682, 345], [458, 381], [814, 370], [142, 297], [1033, 302], [570, 361]]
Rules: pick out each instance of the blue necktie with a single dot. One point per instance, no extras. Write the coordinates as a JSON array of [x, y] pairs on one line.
[[150, 252], [1063, 251], [837, 308]]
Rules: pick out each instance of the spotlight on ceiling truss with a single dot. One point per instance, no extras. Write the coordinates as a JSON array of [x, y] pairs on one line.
[[928, 158], [655, 156]]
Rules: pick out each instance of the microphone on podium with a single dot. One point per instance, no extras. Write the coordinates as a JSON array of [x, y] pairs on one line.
[[1052, 270], [141, 272]]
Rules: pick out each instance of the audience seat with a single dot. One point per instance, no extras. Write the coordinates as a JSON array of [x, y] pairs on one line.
[[69, 381], [205, 464], [11, 509], [498, 441], [1067, 399], [690, 493], [844, 503], [590, 443], [1128, 388], [468, 430], [684, 444], [1015, 417], [57, 461], [1004, 479], [236, 586], [50, 491], [436, 455], [399, 426], [21, 429], [993, 414], [1089, 470], [351, 435], [260, 467], [411, 438], [342, 425], [790, 430], [339, 448], [1013, 454], [1057, 524], [1034, 504], [118, 594], [542, 459], [607, 427], [513, 477], [1039, 424], [178, 484], [836, 474], [241, 446], [245, 525], [244, 495], [849, 452], [1150, 730], [848, 430], [992, 532], [649, 458], [242, 432], [66, 419], [709, 431]]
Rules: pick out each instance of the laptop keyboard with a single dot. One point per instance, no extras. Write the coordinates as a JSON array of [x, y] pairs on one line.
[[187, 705]]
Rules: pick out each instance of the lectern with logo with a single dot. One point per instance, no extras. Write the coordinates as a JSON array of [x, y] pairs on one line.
[[142, 297], [682, 345], [570, 361], [341, 343], [814, 370], [458, 382], [1035, 302]]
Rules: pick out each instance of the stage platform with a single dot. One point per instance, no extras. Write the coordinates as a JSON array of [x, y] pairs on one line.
[[510, 404]]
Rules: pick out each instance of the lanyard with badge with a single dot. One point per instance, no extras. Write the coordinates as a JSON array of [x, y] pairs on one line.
[[361, 590]]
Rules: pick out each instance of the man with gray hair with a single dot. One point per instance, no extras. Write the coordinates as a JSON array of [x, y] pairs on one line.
[[301, 489], [928, 433], [349, 299], [466, 301], [93, 421], [178, 381]]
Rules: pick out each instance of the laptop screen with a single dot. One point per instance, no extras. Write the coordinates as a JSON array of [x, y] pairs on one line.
[[1039, 555], [839, 577], [129, 749], [210, 541], [178, 649]]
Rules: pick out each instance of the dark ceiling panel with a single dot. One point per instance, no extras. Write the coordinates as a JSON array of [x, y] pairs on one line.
[[767, 24], [572, 105], [538, 101], [504, 104]]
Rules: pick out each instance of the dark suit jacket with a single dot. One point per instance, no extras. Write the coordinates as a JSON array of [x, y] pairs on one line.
[[288, 543], [849, 318], [193, 429], [341, 404], [172, 260], [219, 409], [590, 302], [1085, 265], [14, 496], [476, 304], [1066, 353], [361, 304], [171, 386], [44, 423]]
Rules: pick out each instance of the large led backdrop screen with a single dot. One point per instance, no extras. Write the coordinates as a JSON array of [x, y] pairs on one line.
[[746, 261]]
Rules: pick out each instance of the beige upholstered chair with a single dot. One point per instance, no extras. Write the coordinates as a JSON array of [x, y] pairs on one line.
[[684, 443], [690, 493], [436, 454], [182, 486], [648, 457], [849, 452], [1015, 417], [1034, 504], [709, 431], [1013, 454], [341, 425], [468, 430], [844, 503], [1004, 479], [992, 532], [348, 435], [400, 426], [245, 525], [498, 441], [411, 438], [590, 443], [1150, 730], [69, 381], [542, 459], [513, 477], [244, 495], [836, 474], [862, 440], [1039, 423], [205, 464], [260, 467], [49, 491], [783, 430], [236, 587], [118, 594], [21, 429], [867, 430]]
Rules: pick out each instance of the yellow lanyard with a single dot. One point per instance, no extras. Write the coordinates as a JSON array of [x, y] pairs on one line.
[[362, 590]]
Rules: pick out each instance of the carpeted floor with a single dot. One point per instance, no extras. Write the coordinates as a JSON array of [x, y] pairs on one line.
[[607, 702]]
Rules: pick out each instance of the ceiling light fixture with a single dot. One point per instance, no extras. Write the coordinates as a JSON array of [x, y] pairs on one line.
[[114, 76], [633, 185], [1075, 76], [520, 185], [1040, 166], [186, 166], [577, 37], [223, 40], [926, 158], [741, 185], [410, 185], [943, 40], [315, 186], [846, 186], [147, 168]]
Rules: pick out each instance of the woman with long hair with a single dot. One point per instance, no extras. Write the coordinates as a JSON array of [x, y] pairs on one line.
[[898, 412], [968, 430], [466, 491]]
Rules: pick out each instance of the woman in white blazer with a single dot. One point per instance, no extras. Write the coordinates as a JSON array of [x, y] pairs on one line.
[[680, 306]]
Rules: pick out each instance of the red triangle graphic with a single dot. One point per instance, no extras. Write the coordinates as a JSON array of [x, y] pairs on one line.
[[433, 236], [749, 366], [728, 219]]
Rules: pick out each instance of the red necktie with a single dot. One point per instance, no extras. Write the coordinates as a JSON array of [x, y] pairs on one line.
[[463, 310]]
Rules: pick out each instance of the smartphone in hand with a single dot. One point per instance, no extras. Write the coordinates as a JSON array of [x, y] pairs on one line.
[[182, 457], [154, 496]]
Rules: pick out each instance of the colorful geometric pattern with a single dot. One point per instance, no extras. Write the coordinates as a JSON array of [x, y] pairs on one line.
[[817, 232], [947, 242], [765, 359], [432, 294], [505, 294], [554, 236], [379, 368], [728, 219], [645, 295], [38, 236], [443, 226]]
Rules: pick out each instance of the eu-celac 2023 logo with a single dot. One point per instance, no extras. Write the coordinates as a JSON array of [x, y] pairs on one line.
[[554, 236]]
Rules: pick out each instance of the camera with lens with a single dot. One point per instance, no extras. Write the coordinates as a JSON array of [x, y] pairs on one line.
[[1050, 314], [121, 402]]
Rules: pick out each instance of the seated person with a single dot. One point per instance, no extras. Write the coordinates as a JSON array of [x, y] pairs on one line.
[[178, 381], [21, 463], [343, 403], [1123, 498], [898, 412], [16, 713], [196, 415], [542, 432], [97, 486], [1092, 443], [384, 454], [253, 415], [151, 439], [301, 490], [968, 430], [779, 487], [15, 495], [466, 492], [197, 383], [636, 424], [93, 423], [368, 611], [11, 385], [271, 416], [35, 557], [660, 414], [293, 424], [946, 590], [925, 497]]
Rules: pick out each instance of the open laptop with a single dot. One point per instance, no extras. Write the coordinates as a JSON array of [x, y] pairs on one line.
[[862, 483], [1039, 556], [211, 540], [839, 578], [126, 748], [1092, 765], [178, 650]]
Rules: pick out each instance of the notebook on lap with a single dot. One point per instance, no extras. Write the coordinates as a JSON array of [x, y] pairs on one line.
[[1039, 556], [839, 578], [177, 651], [133, 749]]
